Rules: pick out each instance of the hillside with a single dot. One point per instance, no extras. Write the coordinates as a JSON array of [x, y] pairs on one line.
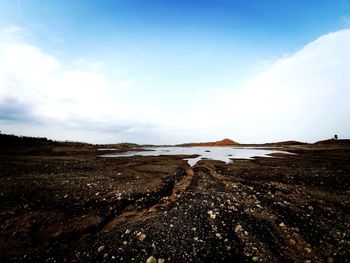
[[286, 143], [224, 142], [334, 142]]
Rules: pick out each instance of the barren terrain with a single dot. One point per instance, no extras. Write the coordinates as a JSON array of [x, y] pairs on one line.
[[67, 204]]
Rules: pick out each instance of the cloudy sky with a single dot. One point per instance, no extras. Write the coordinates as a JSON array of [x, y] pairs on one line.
[[163, 71]]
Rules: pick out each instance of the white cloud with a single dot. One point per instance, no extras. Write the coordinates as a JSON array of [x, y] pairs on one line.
[[64, 97], [13, 31], [304, 96]]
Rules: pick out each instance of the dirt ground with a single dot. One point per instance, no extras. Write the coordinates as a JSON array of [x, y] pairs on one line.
[[67, 204]]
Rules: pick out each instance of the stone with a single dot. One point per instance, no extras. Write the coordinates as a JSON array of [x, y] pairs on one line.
[[255, 259], [127, 231], [211, 214], [308, 250], [142, 237], [161, 260], [238, 228], [282, 225], [101, 248], [151, 259]]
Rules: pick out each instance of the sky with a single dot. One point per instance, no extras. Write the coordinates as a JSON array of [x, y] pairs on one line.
[[167, 72]]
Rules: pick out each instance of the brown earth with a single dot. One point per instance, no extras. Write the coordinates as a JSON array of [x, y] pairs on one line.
[[224, 142], [334, 142], [285, 143], [66, 204]]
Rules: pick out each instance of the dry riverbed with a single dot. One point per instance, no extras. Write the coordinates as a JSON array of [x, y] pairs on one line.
[[66, 204]]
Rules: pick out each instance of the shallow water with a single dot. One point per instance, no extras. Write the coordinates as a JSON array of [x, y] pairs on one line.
[[225, 154]]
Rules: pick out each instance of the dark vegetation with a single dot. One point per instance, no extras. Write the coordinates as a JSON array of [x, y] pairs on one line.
[[10, 140]]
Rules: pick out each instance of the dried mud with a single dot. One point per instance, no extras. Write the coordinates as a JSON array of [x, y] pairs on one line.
[[69, 205]]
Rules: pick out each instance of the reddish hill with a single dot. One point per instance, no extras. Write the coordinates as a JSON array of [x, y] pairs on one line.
[[224, 142]]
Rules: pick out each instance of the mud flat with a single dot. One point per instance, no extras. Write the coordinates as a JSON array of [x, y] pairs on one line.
[[66, 204]]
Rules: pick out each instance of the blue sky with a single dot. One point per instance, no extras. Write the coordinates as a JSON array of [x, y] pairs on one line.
[[173, 71]]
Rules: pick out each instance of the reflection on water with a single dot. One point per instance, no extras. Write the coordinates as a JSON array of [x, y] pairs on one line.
[[225, 154]]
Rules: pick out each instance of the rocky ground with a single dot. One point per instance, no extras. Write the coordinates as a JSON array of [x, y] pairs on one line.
[[66, 204]]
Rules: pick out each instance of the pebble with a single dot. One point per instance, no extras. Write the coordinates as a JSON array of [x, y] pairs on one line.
[[142, 237], [151, 259], [127, 231], [161, 260], [125, 243], [308, 250], [255, 259], [101, 248], [282, 225], [211, 214], [238, 228]]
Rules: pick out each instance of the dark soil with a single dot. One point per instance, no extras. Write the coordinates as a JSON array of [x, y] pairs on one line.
[[67, 204]]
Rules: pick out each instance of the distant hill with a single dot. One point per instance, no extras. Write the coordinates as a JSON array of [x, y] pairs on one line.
[[286, 143], [224, 142], [334, 142]]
